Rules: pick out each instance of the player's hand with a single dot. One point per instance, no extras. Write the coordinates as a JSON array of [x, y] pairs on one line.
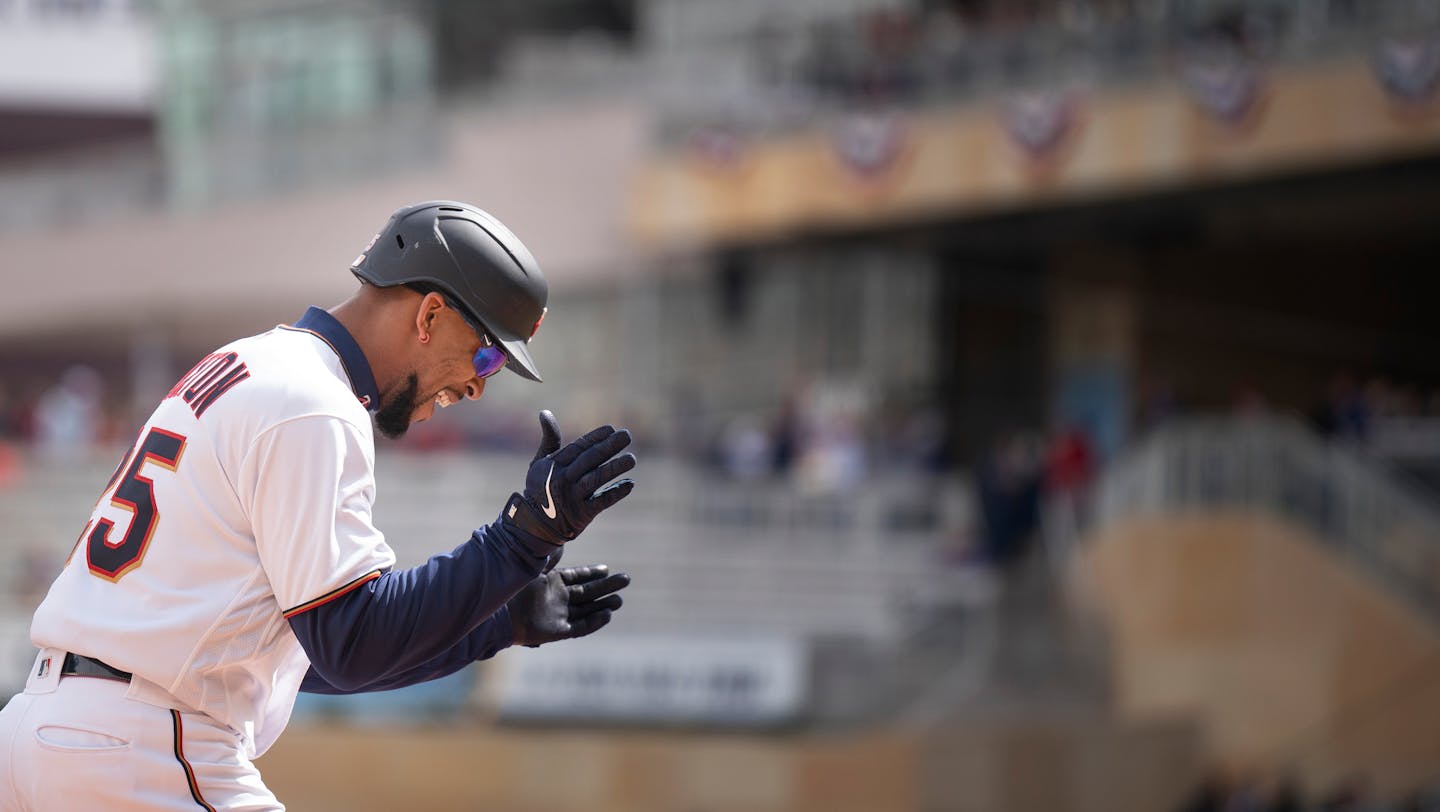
[[565, 603], [563, 492]]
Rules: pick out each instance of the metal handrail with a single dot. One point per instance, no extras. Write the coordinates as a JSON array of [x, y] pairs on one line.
[[1275, 465]]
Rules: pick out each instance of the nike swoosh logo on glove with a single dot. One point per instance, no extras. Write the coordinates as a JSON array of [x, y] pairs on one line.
[[549, 506]]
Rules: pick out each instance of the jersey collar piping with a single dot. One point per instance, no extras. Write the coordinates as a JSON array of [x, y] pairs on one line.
[[327, 328]]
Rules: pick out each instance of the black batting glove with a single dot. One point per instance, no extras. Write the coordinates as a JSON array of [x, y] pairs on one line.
[[563, 492], [565, 603]]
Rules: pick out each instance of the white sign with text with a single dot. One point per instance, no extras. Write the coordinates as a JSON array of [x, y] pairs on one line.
[[728, 681]]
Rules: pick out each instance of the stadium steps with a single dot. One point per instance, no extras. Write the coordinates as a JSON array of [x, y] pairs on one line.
[[1288, 656], [853, 579], [706, 555], [1361, 510], [1277, 589]]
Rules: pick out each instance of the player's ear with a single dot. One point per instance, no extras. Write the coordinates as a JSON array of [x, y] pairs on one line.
[[427, 312]]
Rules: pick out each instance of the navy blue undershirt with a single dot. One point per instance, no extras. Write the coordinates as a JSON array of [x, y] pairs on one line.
[[418, 624]]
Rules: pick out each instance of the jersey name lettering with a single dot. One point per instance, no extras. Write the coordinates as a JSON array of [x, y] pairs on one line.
[[215, 375]]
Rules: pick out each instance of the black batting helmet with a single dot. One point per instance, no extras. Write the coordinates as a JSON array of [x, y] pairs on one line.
[[471, 256]]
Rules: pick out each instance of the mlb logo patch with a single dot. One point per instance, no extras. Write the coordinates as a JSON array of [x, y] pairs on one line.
[[44, 668]]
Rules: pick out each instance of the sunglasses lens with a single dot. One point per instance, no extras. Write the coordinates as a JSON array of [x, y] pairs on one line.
[[488, 361]]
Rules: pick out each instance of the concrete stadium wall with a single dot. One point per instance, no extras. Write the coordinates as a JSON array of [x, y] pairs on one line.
[[324, 768], [1059, 763], [1288, 657]]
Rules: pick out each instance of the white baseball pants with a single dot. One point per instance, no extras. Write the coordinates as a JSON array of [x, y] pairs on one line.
[[77, 743]]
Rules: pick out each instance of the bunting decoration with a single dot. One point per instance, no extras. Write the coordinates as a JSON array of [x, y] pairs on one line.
[[1408, 69], [1041, 123], [869, 145], [1225, 84], [718, 146]]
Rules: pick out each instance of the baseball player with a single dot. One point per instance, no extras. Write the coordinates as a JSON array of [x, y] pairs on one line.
[[231, 561]]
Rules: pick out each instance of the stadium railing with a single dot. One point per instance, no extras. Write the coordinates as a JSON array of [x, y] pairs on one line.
[[870, 565], [1363, 510]]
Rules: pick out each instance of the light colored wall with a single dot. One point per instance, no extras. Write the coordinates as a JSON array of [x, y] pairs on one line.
[[556, 177], [1047, 763], [1287, 655]]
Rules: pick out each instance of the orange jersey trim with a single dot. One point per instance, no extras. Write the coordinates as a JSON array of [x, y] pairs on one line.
[[332, 595]]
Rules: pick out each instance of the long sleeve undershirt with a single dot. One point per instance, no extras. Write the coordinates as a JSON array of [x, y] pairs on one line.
[[489, 638], [423, 623]]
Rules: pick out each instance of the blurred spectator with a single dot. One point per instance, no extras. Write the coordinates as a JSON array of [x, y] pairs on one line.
[[1210, 796], [1287, 797], [9, 404], [832, 451], [500, 429], [1352, 795], [16, 413], [785, 436], [22, 417], [1010, 479], [889, 73], [1069, 468], [68, 417], [433, 435], [1245, 796], [1070, 462], [1344, 414], [921, 441], [11, 464], [10, 431], [745, 449], [1157, 404], [834, 459]]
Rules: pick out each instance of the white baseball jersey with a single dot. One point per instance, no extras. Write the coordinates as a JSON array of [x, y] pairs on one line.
[[246, 499]]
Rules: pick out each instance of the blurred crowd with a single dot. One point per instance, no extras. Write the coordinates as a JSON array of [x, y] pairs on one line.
[[1349, 408], [1217, 793], [1353, 405], [821, 440], [65, 414], [1029, 480], [946, 46], [62, 417], [823, 437]]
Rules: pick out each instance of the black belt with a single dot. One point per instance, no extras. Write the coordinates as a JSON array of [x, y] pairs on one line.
[[78, 665]]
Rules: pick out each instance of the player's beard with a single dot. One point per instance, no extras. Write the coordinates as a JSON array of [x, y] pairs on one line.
[[393, 416]]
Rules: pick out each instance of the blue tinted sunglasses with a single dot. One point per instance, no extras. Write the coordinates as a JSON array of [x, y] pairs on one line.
[[489, 359]]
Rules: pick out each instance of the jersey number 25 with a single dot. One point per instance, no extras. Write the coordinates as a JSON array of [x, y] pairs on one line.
[[112, 558]]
